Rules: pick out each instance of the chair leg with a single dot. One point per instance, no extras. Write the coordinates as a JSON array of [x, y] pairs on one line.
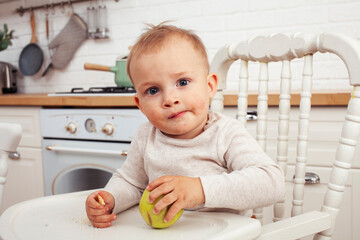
[[3, 173]]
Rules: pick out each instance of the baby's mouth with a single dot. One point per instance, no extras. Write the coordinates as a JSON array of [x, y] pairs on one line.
[[177, 115]]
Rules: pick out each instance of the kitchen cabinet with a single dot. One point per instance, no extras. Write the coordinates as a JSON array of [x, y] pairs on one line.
[[324, 132], [25, 175]]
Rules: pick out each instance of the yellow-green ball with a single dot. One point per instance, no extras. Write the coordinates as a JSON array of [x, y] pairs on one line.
[[155, 220]]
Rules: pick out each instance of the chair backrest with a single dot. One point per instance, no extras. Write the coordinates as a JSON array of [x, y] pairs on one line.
[[10, 136], [285, 48]]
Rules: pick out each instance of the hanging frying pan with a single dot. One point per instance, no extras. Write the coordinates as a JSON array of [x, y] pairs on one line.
[[31, 57]]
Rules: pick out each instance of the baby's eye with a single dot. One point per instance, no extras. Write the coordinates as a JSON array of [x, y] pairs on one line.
[[183, 82], [152, 91]]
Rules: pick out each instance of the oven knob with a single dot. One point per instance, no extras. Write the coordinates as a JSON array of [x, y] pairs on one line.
[[108, 129], [71, 127]]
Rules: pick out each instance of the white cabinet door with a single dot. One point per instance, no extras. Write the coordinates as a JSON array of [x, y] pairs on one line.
[[25, 175], [25, 178]]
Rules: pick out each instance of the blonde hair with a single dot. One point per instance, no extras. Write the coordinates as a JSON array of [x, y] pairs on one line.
[[155, 37]]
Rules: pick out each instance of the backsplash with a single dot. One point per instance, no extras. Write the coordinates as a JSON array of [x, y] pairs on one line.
[[216, 22]]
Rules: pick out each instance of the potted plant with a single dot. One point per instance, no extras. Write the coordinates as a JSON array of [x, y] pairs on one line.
[[5, 37]]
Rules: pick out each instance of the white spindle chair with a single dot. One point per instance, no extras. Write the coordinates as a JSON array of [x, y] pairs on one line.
[[285, 48], [10, 135]]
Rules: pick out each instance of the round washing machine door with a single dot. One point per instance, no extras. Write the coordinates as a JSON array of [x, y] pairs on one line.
[[80, 178]]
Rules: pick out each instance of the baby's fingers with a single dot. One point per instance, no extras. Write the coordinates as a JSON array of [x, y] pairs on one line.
[[158, 181], [106, 197], [164, 202], [173, 210], [98, 211], [102, 221], [92, 201], [101, 225]]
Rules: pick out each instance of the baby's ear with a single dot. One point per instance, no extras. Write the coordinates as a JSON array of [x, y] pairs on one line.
[[137, 101], [212, 80]]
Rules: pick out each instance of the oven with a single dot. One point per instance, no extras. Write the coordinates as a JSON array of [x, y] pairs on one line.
[[83, 147]]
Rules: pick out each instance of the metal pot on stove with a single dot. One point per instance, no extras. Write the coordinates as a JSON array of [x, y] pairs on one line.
[[7, 78], [121, 77]]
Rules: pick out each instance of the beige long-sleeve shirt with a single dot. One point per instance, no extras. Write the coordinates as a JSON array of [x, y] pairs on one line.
[[235, 173]]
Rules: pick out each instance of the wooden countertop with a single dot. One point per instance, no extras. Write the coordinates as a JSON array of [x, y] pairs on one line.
[[319, 98], [62, 101]]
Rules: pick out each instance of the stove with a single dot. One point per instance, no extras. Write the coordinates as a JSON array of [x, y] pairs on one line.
[[97, 91], [83, 147]]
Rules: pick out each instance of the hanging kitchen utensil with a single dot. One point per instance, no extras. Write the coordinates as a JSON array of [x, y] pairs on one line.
[[121, 77], [67, 42], [31, 57], [91, 20], [47, 25], [102, 30], [47, 30]]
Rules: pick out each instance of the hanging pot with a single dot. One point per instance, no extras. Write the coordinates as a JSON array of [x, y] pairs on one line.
[[121, 77]]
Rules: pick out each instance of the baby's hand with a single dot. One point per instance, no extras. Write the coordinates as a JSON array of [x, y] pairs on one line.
[[100, 215], [181, 192]]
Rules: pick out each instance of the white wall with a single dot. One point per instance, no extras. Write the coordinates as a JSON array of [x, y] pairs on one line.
[[216, 22]]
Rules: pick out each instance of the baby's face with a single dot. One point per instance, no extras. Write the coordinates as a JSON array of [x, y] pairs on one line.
[[174, 88]]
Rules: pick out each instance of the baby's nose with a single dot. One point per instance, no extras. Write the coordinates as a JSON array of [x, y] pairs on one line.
[[171, 100]]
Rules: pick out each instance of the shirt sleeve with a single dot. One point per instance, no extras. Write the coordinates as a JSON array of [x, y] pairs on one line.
[[128, 182], [253, 179]]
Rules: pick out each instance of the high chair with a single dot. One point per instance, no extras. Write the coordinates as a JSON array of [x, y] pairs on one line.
[[10, 135], [284, 48], [64, 217]]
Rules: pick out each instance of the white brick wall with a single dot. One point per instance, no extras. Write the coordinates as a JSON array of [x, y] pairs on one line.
[[217, 22]]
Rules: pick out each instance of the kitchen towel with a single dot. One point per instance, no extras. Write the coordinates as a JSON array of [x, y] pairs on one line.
[[68, 41]]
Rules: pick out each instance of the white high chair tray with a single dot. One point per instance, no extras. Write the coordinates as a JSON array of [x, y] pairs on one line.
[[64, 217]]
